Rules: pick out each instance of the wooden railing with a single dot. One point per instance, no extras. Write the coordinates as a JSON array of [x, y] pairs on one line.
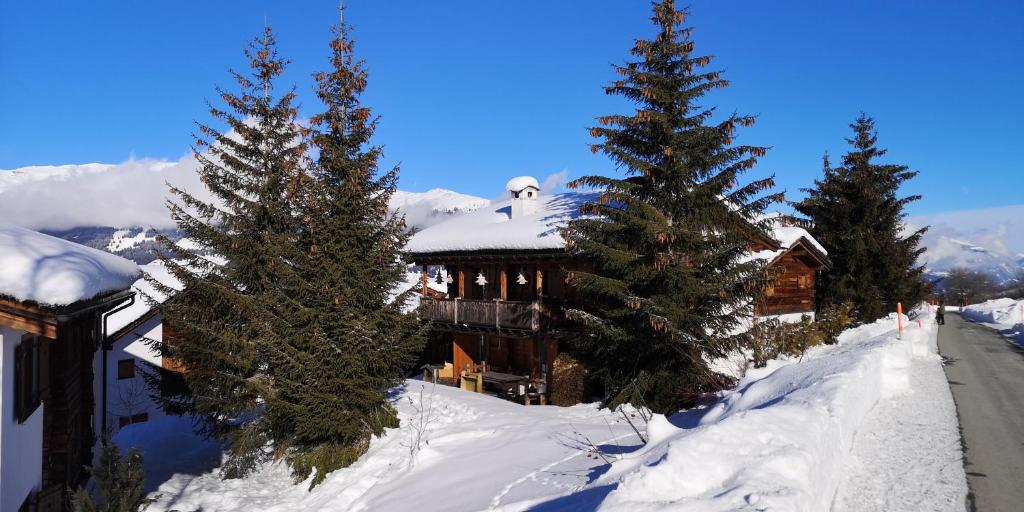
[[496, 314]]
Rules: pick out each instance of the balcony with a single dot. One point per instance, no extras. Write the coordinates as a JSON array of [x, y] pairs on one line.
[[482, 314]]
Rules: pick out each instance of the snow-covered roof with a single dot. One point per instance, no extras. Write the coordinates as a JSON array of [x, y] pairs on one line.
[[144, 292], [49, 271], [493, 228], [520, 182]]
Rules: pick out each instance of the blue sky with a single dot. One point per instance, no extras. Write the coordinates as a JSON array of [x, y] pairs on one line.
[[472, 93]]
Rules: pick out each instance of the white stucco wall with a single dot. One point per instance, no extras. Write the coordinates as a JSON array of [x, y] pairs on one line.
[[21, 445], [126, 397]]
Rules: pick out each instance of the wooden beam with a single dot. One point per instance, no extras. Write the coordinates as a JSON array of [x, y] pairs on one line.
[[28, 324], [540, 283], [462, 283], [425, 278], [504, 283]]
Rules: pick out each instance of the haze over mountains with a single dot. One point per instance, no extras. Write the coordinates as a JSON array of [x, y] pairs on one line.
[[119, 207]]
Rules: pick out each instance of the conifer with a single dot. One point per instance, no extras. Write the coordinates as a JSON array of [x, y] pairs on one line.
[[118, 480], [856, 213], [251, 164], [345, 341], [670, 285]]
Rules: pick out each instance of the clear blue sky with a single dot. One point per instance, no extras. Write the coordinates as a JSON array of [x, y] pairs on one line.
[[472, 92]]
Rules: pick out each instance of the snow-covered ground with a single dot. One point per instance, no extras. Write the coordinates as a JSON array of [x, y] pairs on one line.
[[867, 424], [1003, 315]]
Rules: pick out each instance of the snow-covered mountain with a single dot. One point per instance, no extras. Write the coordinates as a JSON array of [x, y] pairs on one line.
[[990, 239], [120, 208]]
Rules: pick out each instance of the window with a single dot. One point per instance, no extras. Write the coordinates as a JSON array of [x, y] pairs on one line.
[[124, 421], [803, 281], [26, 377], [769, 291], [125, 369]]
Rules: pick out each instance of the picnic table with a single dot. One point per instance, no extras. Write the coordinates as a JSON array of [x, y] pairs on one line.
[[503, 379]]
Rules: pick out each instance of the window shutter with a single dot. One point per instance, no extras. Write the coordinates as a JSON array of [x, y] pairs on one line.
[[26, 377]]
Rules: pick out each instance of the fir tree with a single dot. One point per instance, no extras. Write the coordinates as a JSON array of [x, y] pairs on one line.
[[252, 170], [346, 342], [669, 285], [855, 212], [118, 481]]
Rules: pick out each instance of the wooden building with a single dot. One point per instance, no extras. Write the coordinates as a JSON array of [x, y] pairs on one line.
[[54, 298], [505, 266]]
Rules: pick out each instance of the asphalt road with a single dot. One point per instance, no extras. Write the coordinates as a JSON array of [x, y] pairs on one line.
[[986, 373]]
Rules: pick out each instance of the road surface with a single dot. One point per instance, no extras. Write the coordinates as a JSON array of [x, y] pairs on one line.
[[986, 374]]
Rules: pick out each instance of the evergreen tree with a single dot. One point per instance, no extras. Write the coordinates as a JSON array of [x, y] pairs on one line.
[[855, 212], [252, 170], [345, 341], [669, 285], [118, 481]]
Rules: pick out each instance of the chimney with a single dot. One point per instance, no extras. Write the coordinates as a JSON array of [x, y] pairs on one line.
[[525, 191]]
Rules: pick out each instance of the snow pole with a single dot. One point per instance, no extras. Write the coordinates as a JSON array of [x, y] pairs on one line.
[[899, 318], [919, 324]]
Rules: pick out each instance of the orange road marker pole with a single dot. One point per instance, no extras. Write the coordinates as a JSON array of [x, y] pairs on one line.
[[899, 318]]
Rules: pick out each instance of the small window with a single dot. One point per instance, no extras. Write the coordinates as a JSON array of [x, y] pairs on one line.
[[769, 291], [124, 421], [125, 369], [529, 193], [803, 281], [26, 377]]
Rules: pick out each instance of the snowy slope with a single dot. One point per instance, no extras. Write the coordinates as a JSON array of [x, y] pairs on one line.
[[790, 437]]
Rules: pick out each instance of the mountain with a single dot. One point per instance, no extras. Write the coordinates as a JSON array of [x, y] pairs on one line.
[[120, 208], [990, 239]]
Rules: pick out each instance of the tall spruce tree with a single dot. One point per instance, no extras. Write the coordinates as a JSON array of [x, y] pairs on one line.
[[670, 285], [856, 213], [346, 341], [252, 168]]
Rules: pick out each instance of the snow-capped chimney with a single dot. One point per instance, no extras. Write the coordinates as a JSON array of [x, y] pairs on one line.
[[524, 190]]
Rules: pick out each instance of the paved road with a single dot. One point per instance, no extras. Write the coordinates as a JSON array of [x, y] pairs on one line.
[[986, 374]]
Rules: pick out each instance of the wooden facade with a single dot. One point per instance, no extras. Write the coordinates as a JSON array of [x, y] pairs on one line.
[[503, 309], [794, 281], [68, 337]]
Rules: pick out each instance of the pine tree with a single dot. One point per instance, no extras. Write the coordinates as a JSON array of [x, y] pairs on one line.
[[346, 343], [855, 212], [118, 481], [669, 284], [252, 170]]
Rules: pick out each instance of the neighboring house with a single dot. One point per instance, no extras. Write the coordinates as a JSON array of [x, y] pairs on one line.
[[505, 266], [129, 364], [54, 297]]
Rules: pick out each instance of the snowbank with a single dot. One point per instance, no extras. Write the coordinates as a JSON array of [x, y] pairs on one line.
[[50, 271], [784, 439], [781, 439], [1003, 315]]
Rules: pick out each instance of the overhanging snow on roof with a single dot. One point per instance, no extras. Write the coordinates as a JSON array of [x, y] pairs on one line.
[[52, 272]]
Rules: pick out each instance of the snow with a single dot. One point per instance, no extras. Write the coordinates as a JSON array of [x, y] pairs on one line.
[[1004, 315], [493, 228], [144, 293], [520, 182], [47, 270], [424, 209], [124, 239], [864, 425], [782, 440]]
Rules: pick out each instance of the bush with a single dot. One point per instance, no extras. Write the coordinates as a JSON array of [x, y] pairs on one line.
[[567, 378], [833, 320]]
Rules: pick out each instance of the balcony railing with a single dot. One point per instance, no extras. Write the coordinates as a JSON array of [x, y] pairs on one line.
[[493, 314]]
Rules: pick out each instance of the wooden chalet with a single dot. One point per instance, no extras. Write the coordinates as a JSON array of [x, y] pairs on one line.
[[54, 298], [500, 321]]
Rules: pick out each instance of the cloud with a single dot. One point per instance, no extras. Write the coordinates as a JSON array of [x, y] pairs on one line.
[[555, 182], [131, 193]]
